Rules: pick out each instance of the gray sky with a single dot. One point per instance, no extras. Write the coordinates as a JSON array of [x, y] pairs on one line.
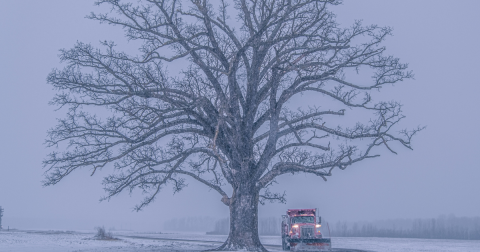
[[439, 39]]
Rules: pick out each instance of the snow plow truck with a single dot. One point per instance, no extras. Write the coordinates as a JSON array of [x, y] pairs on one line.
[[301, 231]]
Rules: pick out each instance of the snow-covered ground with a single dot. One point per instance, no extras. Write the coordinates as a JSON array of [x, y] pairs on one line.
[[28, 241], [54, 241], [406, 245]]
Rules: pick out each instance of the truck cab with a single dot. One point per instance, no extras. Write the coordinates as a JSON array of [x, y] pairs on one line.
[[301, 228]]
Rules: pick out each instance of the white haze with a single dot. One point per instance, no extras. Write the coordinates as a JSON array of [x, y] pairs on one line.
[[438, 38]]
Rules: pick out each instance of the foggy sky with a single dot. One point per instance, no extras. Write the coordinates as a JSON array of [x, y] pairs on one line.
[[439, 39]]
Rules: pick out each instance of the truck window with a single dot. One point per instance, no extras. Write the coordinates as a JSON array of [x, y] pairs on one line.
[[303, 219]]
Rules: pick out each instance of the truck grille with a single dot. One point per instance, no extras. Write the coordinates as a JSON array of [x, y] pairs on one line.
[[307, 232]]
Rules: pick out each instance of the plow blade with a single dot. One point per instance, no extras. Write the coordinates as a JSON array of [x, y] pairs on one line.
[[319, 244]]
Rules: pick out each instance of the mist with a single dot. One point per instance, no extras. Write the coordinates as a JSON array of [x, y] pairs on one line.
[[439, 40]]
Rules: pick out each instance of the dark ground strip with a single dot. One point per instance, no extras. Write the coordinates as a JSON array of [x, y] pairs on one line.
[[219, 242]]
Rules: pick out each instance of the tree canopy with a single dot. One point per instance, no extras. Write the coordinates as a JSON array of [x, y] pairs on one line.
[[227, 116]]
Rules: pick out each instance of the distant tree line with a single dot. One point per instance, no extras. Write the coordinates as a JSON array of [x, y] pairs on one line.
[[269, 226], [443, 227], [266, 226], [222, 227], [1, 215], [192, 224]]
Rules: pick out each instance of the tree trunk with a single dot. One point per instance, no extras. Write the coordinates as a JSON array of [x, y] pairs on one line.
[[243, 220]]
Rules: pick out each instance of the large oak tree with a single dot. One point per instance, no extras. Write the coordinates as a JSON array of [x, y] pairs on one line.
[[228, 116]]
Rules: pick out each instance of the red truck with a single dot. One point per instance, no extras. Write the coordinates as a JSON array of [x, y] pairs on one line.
[[301, 231]]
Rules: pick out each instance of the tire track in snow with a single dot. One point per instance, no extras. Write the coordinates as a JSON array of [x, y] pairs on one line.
[[220, 242]]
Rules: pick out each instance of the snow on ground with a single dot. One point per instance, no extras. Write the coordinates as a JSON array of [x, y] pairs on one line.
[[58, 241], [28, 241], [359, 243], [405, 244]]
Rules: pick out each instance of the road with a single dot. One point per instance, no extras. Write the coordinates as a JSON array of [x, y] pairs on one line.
[[267, 246]]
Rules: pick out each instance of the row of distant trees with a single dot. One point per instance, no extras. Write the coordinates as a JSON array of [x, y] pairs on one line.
[[192, 224], [266, 226], [443, 227], [1, 215]]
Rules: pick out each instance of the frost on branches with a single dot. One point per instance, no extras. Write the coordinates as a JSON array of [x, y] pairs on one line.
[[227, 118]]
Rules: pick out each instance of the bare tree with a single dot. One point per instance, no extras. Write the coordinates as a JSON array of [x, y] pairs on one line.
[[225, 117]]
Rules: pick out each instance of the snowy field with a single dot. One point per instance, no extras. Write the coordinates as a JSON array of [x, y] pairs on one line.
[[58, 241]]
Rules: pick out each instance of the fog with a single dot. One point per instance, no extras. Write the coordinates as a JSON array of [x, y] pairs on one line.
[[439, 39]]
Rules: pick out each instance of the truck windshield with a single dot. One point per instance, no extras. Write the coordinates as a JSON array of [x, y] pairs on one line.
[[303, 219]]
